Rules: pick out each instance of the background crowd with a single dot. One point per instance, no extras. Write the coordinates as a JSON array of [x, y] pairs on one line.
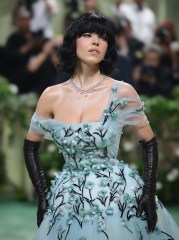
[[148, 54]]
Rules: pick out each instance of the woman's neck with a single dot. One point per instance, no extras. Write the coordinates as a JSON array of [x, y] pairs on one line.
[[87, 76]]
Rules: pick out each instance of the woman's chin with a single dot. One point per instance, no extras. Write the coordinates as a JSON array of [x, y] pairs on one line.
[[92, 61]]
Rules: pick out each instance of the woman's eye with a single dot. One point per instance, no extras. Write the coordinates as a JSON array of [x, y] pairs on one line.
[[86, 35], [104, 38]]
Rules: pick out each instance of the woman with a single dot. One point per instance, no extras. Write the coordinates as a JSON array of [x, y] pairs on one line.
[[95, 196]]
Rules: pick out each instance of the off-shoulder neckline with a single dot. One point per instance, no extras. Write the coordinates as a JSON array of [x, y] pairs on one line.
[[67, 124], [114, 90], [116, 82]]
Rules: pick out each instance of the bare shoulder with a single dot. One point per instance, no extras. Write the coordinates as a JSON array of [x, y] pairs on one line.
[[52, 92], [47, 99], [127, 90]]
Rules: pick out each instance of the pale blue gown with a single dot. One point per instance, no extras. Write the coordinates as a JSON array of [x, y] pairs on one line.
[[96, 195]]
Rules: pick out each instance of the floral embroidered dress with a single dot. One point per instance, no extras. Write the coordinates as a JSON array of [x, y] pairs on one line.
[[96, 195]]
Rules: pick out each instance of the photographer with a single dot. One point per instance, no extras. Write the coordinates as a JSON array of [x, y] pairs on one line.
[[71, 12], [42, 13], [128, 45], [164, 36], [21, 45], [154, 78], [163, 39], [43, 65]]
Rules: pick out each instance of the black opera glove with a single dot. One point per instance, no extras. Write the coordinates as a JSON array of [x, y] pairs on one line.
[[36, 175], [147, 200]]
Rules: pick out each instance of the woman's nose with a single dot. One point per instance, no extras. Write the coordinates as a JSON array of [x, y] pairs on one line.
[[95, 40]]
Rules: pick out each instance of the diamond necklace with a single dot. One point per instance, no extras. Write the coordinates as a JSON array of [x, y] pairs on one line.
[[85, 91]]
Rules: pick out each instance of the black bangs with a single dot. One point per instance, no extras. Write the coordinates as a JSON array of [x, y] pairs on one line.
[[93, 23]]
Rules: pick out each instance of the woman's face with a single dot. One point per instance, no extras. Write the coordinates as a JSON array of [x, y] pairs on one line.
[[91, 48]]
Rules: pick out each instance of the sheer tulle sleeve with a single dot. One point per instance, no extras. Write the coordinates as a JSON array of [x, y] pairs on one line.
[[40, 126], [130, 107]]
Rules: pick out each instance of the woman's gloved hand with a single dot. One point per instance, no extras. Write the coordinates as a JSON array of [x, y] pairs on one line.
[[42, 206], [147, 204], [147, 199]]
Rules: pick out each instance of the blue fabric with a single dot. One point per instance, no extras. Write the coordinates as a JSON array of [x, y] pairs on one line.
[[95, 196]]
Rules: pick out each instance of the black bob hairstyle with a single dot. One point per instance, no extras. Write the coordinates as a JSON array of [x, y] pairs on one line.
[[87, 23]]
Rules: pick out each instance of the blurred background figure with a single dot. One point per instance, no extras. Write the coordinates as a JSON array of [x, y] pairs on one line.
[[29, 56], [174, 46], [123, 64], [72, 11], [44, 66], [128, 45], [75, 8], [142, 20], [164, 36], [117, 9], [90, 5], [171, 28], [154, 78], [42, 13], [21, 45]]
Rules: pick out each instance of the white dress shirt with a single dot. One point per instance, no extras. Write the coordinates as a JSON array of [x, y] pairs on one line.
[[41, 19], [143, 21]]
